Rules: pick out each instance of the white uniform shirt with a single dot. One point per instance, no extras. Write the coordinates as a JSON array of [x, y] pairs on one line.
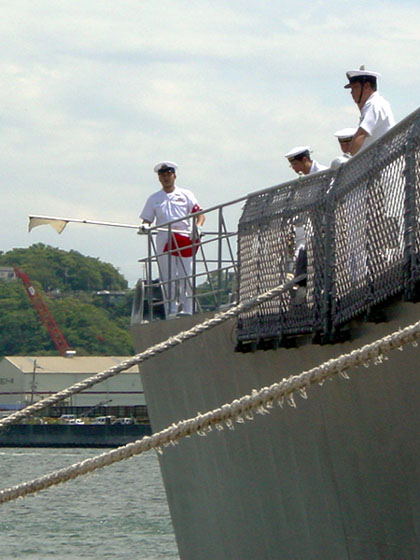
[[165, 207], [317, 167], [376, 118]]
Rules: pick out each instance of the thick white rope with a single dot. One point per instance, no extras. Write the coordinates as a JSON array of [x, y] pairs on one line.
[[239, 410], [146, 355]]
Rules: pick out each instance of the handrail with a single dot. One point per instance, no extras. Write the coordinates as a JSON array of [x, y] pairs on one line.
[[206, 211], [213, 281], [362, 241]]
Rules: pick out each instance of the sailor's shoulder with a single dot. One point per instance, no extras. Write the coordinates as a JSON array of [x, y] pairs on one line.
[[185, 192]]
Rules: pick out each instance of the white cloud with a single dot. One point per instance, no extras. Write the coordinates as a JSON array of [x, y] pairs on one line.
[[92, 94]]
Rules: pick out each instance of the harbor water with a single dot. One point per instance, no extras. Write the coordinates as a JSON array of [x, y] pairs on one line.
[[117, 512]]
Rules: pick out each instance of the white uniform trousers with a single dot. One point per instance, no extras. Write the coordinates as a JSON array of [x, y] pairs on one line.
[[175, 276]]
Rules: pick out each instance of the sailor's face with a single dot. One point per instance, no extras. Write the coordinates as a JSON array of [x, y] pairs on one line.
[[345, 145], [298, 166], [356, 90], [167, 179]]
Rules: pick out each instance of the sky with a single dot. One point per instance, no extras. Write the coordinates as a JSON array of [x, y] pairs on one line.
[[94, 93]]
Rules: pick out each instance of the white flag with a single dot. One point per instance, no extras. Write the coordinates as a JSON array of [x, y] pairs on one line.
[[57, 223]]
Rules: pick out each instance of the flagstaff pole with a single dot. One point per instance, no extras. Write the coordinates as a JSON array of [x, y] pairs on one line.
[[59, 223], [46, 219]]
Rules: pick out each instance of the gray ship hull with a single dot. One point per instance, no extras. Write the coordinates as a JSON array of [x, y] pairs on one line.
[[337, 477]]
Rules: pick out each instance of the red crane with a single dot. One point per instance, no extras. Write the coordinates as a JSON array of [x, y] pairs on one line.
[[44, 313]]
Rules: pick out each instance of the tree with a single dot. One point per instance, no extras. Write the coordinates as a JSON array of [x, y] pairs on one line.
[[67, 281], [56, 269]]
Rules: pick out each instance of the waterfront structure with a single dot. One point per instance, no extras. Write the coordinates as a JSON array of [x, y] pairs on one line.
[[28, 379]]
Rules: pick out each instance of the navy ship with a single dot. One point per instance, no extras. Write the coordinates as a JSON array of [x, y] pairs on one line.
[[332, 473]]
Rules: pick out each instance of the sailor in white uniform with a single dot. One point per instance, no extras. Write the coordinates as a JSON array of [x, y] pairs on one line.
[[165, 205], [376, 119], [301, 162], [344, 137], [376, 116]]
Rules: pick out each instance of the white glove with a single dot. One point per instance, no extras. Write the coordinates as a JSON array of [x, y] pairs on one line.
[[344, 158], [144, 229]]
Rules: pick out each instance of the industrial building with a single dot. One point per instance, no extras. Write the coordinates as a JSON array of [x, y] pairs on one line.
[[7, 273], [28, 379]]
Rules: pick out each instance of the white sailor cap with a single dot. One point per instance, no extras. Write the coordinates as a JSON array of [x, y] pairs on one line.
[[345, 133], [297, 151], [358, 75], [169, 165]]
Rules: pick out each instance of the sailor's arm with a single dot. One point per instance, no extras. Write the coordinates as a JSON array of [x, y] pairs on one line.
[[358, 140], [200, 220]]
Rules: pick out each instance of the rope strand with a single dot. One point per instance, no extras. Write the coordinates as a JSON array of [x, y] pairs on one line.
[[146, 355], [240, 410]]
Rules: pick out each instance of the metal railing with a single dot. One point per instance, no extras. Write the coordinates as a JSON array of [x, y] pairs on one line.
[[213, 281], [362, 246]]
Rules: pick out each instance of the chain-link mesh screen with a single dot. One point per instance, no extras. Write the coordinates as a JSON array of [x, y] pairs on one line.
[[359, 231], [371, 205], [275, 227]]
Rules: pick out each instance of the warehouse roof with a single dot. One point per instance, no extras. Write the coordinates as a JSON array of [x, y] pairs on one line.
[[76, 364]]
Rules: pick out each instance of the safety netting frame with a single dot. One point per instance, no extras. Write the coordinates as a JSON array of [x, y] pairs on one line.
[[360, 225]]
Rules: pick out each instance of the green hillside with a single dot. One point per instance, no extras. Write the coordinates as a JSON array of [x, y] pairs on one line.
[[68, 283]]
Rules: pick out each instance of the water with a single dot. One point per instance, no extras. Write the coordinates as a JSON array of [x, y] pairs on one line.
[[119, 512]]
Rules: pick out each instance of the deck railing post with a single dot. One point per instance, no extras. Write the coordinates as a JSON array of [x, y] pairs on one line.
[[195, 237], [149, 279], [411, 201], [327, 295], [219, 257]]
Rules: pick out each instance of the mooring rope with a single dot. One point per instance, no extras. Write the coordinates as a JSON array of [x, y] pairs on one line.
[[146, 355], [239, 410]]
